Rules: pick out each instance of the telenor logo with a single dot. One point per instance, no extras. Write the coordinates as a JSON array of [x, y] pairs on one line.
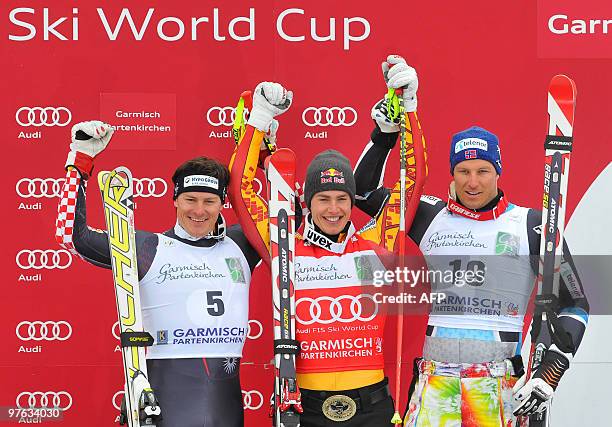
[[466, 143]]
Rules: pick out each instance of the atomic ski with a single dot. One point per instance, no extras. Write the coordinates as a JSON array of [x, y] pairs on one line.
[[280, 174], [558, 147], [141, 408]]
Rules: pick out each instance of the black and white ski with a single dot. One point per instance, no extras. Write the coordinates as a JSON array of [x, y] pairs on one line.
[[280, 174], [558, 147], [141, 407]]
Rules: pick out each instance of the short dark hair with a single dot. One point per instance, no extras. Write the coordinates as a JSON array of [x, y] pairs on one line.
[[203, 166]]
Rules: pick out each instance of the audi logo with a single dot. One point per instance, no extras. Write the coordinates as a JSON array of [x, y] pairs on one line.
[[39, 259], [52, 187], [252, 400], [117, 399], [44, 399], [259, 326], [43, 116], [222, 116], [43, 331], [336, 309], [329, 116], [39, 187]]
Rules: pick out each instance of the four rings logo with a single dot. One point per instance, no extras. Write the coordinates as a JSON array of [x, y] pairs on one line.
[[329, 116], [43, 331], [352, 310], [39, 259], [52, 187], [222, 116], [44, 399], [43, 116], [252, 400], [39, 187], [255, 329]]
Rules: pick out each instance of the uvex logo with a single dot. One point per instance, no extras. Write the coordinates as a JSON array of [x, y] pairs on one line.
[[318, 239]]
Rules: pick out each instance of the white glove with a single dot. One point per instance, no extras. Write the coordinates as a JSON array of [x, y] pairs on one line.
[[532, 395], [269, 100], [399, 75], [88, 140]]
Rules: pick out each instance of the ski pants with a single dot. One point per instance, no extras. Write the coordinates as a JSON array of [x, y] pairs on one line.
[[197, 392], [462, 395]]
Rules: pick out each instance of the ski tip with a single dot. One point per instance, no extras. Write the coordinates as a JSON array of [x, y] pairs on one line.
[[119, 177], [284, 156], [562, 86]]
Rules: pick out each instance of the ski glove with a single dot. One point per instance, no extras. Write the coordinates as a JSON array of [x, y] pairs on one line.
[[531, 396], [381, 117], [88, 140], [399, 75], [269, 100]]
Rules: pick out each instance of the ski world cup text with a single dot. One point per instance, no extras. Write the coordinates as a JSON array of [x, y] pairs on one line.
[[29, 23]]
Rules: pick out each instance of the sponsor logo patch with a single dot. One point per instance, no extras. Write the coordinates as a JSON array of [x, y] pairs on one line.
[[364, 268], [466, 143], [332, 175], [235, 269], [201, 181], [162, 337], [507, 244]]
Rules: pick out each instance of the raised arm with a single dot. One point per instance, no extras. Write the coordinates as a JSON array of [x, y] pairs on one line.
[[373, 198], [71, 230], [269, 100], [88, 140]]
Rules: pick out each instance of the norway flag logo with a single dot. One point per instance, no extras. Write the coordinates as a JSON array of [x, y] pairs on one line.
[[470, 154]]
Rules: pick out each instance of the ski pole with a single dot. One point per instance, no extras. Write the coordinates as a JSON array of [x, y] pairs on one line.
[[418, 174], [239, 125], [397, 99]]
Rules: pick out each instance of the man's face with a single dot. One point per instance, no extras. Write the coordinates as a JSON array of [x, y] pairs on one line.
[[475, 182], [198, 212], [331, 210]]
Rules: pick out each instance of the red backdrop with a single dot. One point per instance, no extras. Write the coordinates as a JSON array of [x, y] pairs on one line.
[[479, 62]]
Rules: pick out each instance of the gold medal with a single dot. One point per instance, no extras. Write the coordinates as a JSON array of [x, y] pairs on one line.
[[339, 408]]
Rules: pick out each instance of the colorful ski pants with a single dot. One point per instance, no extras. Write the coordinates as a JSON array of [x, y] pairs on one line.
[[462, 395]]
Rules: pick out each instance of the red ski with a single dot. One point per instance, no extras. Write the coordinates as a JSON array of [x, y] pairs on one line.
[[558, 146], [280, 174]]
